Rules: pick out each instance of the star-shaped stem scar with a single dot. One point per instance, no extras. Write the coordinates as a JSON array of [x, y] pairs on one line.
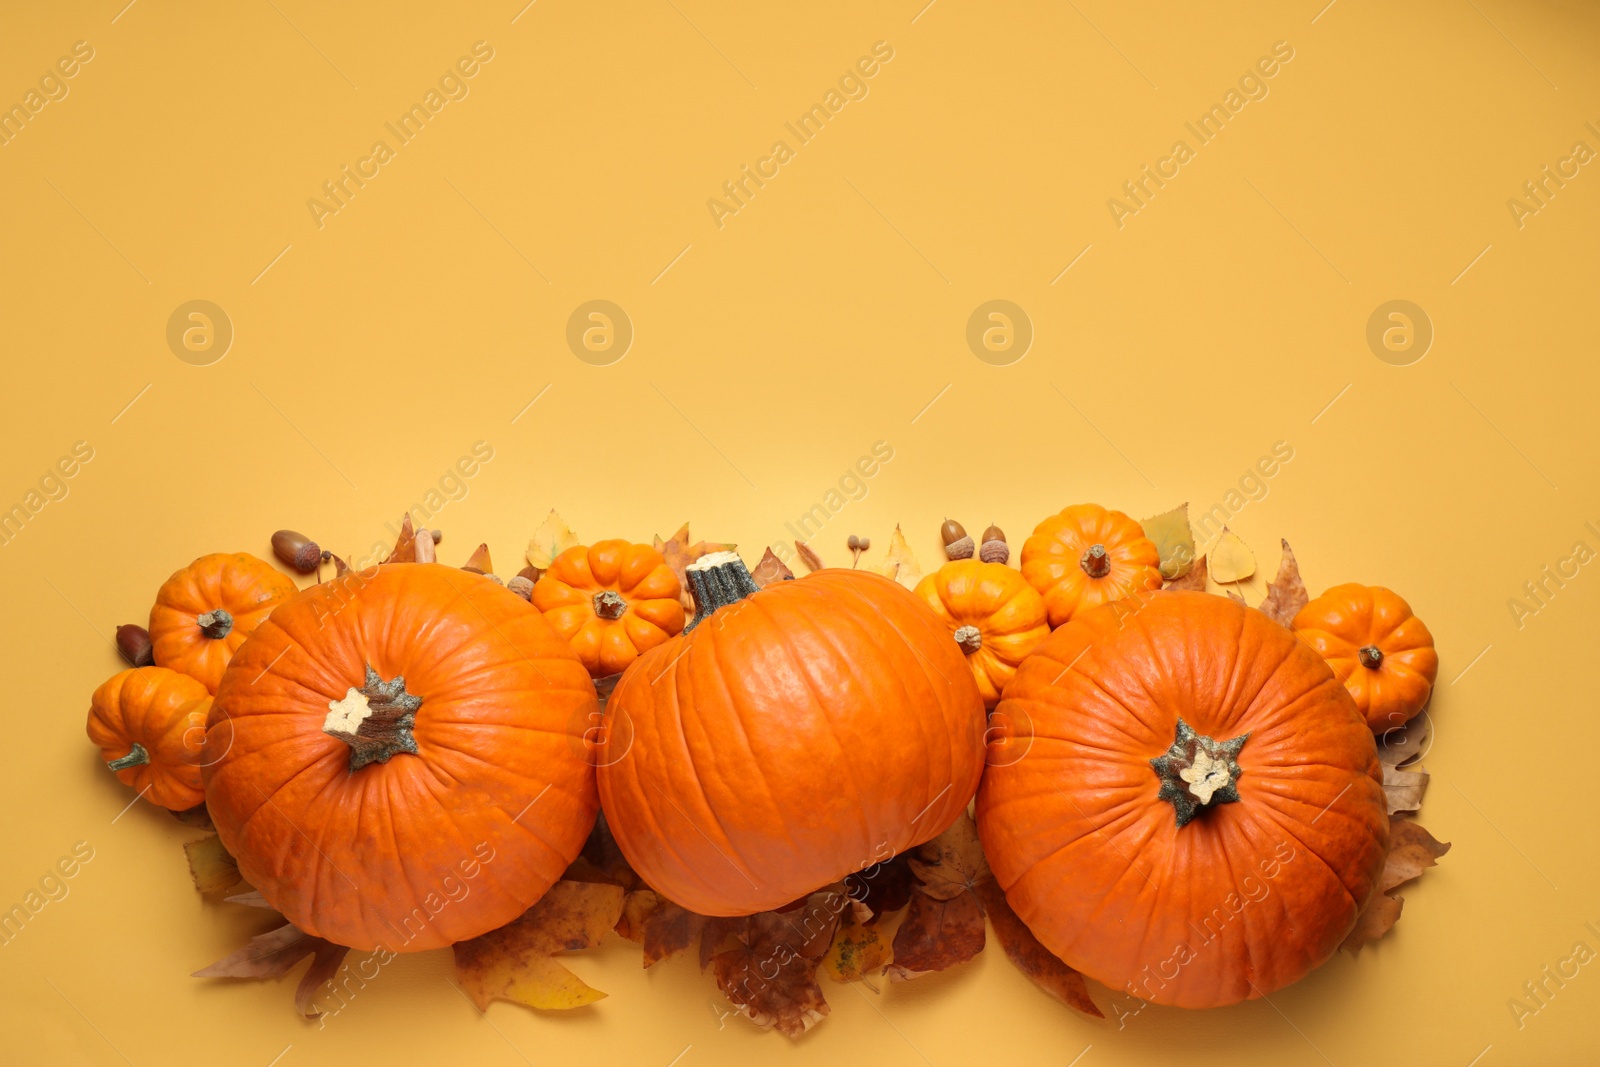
[[1197, 771], [374, 720]]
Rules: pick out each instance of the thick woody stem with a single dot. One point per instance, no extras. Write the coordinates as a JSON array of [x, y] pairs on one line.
[[716, 580], [1371, 657], [215, 624], [375, 720], [1095, 562], [138, 757], [609, 605], [969, 638]]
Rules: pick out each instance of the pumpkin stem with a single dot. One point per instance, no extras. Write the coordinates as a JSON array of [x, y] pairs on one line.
[[138, 757], [716, 580], [969, 638], [215, 624], [1095, 562], [609, 605], [1198, 771], [1371, 657], [374, 720]]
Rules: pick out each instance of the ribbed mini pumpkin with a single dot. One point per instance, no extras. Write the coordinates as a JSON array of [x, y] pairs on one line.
[[792, 736], [1189, 808], [393, 737], [994, 615], [204, 612], [150, 725], [1381, 652]]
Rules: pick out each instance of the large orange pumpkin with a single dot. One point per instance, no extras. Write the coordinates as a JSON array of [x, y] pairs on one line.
[[1183, 801], [1380, 651], [402, 761], [1086, 555], [794, 735], [204, 612], [994, 615], [150, 725], [611, 601]]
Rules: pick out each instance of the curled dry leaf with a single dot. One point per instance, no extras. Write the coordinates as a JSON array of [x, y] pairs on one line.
[[660, 927], [478, 562], [679, 553], [861, 947], [516, 962], [1195, 580], [409, 547], [552, 538], [951, 863], [197, 817], [769, 970], [769, 570], [1403, 789], [1231, 559], [808, 556], [215, 872], [1287, 593], [270, 955], [943, 925], [251, 899], [900, 563], [1412, 850], [1174, 540], [1031, 957], [1400, 746]]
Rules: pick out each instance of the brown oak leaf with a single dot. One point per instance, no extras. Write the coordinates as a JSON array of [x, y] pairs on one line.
[[270, 955], [770, 972], [1412, 850], [517, 962], [1286, 595], [1195, 580], [769, 570], [1031, 957], [215, 872]]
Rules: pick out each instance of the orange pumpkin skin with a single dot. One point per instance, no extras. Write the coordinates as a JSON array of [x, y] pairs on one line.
[[806, 732], [995, 616], [1249, 895], [246, 589], [1381, 652], [1057, 560], [610, 601], [421, 848], [151, 721]]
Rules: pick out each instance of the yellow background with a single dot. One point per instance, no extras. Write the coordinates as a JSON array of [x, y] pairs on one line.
[[824, 316]]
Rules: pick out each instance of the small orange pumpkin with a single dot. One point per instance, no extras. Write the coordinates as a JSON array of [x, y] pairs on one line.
[[150, 724], [1087, 555], [995, 616], [610, 601], [204, 612], [1381, 652]]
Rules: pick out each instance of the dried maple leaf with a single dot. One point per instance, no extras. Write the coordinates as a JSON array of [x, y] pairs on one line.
[[770, 972], [552, 538], [808, 556], [1231, 559], [215, 872], [943, 925], [951, 863], [478, 562], [1195, 579], [1402, 745], [1403, 789], [1174, 540], [517, 962], [270, 955], [1031, 957], [900, 563], [1412, 850], [1287, 593], [769, 570], [660, 927]]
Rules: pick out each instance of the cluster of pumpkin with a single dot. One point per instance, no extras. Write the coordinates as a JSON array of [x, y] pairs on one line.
[[1135, 752]]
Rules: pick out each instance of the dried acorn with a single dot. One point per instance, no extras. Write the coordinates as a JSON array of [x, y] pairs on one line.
[[521, 585], [957, 545], [133, 642], [994, 548], [296, 550]]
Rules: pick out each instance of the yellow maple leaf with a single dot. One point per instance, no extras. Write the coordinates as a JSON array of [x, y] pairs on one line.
[[900, 563], [516, 962]]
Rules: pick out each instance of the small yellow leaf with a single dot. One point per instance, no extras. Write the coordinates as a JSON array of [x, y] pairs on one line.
[[515, 962], [552, 538], [900, 563], [1173, 539], [214, 871], [1231, 559], [859, 950]]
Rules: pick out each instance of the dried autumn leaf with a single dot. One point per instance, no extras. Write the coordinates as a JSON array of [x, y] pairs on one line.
[[1403, 745], [808, 556], [1195, 579], [1287, 593], [1231, 559], [270, 955], [516, 962], [900, 563], [1031, 957], [478, 562], [770, 974], [251, 899], [407, 548], [1412, 850], [197, 817], [215, 872], [1403, 789], [951, 863], [552, 538], [1174, 540], [679, 553], [660, 927], [936, 935], [861, 948], [602, 860], [769, 570], [883, 887]]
